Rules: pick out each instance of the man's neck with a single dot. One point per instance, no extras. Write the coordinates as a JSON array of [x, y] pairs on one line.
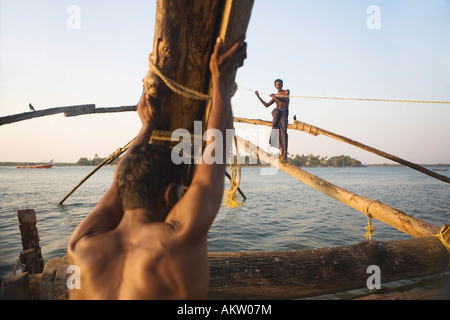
[[140, 216]]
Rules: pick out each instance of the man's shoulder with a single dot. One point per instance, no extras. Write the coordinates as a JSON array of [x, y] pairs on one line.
[[159, 232]]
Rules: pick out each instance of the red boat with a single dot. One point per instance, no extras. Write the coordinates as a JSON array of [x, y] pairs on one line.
[[37, 166]]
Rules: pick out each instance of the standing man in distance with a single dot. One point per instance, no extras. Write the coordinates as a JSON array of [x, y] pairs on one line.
[[145, 239], [279, 135]]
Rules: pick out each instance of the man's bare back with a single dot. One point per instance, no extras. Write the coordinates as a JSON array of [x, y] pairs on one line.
[[156, 251], [156, 263]]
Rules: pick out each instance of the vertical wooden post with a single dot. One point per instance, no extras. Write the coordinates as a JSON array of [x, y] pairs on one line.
[[31, 256]]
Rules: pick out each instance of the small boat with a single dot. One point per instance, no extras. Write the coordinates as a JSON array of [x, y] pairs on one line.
[[434, 169], [37, 166]]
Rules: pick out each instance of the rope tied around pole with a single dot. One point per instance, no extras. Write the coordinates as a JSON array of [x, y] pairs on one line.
[[440, 235], [174, 86], [369, 229], [231, 200]]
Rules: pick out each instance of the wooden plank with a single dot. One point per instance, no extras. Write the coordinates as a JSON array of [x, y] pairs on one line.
[[377, 210]]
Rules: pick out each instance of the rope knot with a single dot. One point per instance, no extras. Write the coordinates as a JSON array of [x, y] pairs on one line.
[[231, 200], [441, 236], [369, 229]]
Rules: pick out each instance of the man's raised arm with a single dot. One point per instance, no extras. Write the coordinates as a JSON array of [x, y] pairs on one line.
[[266, 104], [199, 206]]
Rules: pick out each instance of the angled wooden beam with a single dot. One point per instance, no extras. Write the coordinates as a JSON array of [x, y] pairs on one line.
[[315, 131], [375, 209]]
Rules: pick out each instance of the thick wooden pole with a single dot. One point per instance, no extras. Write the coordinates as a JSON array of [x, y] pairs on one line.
[[185, 35], [234, 22], [308, 273], [297, 274], [182, 45], [377, 210], [315, 131]]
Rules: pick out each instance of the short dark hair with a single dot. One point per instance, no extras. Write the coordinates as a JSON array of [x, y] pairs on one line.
[[278, 80], [145, 173]]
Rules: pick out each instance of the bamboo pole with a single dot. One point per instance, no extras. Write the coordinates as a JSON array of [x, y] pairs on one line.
[[107, 160], [157, 135], [41, 113], [74, 113], [375, 209], [315, 131], [70, 111]]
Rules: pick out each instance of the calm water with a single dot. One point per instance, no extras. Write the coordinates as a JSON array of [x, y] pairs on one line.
[[280, 213]]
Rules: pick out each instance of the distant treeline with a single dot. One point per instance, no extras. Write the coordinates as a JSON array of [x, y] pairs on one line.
[[297, 160], [318, 161], [95, 161], [310, 161]]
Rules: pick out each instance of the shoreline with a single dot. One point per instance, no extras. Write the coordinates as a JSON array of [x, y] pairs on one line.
[[70, 164]]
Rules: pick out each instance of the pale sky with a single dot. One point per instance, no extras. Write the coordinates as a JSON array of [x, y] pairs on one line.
[[319, 48]]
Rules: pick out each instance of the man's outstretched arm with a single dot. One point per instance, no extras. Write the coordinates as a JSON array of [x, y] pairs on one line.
[[199, 206]]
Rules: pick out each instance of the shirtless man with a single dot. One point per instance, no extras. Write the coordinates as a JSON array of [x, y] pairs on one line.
[[280, 117], [147, 240]]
